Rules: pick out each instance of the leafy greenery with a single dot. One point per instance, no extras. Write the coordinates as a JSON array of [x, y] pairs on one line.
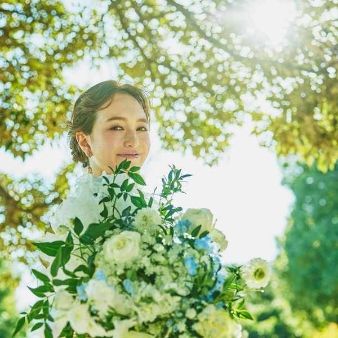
[[199, 89], [8, 314], [307, 262]]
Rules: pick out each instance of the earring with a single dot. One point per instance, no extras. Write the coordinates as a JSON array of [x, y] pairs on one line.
[[90, 169]]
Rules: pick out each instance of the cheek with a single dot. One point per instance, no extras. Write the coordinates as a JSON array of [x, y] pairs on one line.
[[146, 141]]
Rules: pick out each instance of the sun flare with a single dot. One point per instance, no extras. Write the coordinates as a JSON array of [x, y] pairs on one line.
[[270, 19]]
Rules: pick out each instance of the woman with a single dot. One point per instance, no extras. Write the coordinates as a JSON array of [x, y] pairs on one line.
[[110, 123]]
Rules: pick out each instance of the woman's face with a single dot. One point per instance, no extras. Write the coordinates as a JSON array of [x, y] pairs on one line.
[[121, 131]]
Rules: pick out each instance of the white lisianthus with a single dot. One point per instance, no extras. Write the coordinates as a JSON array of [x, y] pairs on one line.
[[147, 217], [201, 217], [216, 323], [60, 319], [122, 248], [81, 321], [79, 318], [63, 300], [219, 238], [104, 297], [256, 273]]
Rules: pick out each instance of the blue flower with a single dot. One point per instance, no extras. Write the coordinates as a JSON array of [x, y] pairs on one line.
[[100, 275], [203, 243], [182, 226], [128, 285], [81, 290], [191, 265]]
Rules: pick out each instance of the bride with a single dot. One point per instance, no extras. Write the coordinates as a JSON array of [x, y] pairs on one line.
[[110, 123]]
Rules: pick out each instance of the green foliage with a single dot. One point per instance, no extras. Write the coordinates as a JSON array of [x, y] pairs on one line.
[[308, 261], [38, 40], [8, 314], [23, 202], [198, 88]]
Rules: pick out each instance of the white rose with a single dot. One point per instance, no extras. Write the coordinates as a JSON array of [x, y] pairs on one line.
[[103, 297], [256, 273], [219, 238], [201, 217], [122, 248]]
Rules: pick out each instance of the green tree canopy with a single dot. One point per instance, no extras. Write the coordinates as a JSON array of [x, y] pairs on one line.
[[308, 260], [199, 65]]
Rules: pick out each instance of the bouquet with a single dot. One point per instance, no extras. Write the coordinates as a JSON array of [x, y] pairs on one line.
[[126, 264]]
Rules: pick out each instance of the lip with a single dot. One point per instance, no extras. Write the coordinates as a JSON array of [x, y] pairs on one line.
[[129, 155]]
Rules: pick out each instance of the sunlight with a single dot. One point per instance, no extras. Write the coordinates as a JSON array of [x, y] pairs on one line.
[[270, 19]]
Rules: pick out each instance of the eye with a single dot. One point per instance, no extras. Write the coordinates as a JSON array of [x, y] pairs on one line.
[[116, 128], [144, 128]]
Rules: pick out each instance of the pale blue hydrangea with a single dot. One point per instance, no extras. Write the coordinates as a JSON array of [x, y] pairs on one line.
[[191, 265], [182, 226], [100, 275], [203, 243], [128, 286], [81, 291]]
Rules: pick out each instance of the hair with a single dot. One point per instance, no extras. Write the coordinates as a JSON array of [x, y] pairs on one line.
[[89, 103]]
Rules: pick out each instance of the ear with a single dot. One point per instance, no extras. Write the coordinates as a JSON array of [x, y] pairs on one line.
[[83, 141]]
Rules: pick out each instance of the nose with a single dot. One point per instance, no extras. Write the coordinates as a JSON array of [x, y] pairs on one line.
[[131, 140]]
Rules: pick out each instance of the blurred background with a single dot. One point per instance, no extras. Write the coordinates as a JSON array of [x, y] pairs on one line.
[[244, 98]]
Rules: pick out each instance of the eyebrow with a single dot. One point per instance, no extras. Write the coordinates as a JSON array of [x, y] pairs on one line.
[[125, 119]]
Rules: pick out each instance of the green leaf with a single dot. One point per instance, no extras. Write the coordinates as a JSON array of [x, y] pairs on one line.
[[48, 331], [134, 169], [195, 232], [56, 263], [82, 268], [46, 308], [130, 187], [35, 310], [137, 178], [124, 185], [65, 256], [244, 314], [41, 290], [94, 231], [78, 226], [105, 200], [203, 234], [20, 323], [39, 275], [104, 212], [126, 211], [137, 201], [37, 326], [49, 248], [124, 165]]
